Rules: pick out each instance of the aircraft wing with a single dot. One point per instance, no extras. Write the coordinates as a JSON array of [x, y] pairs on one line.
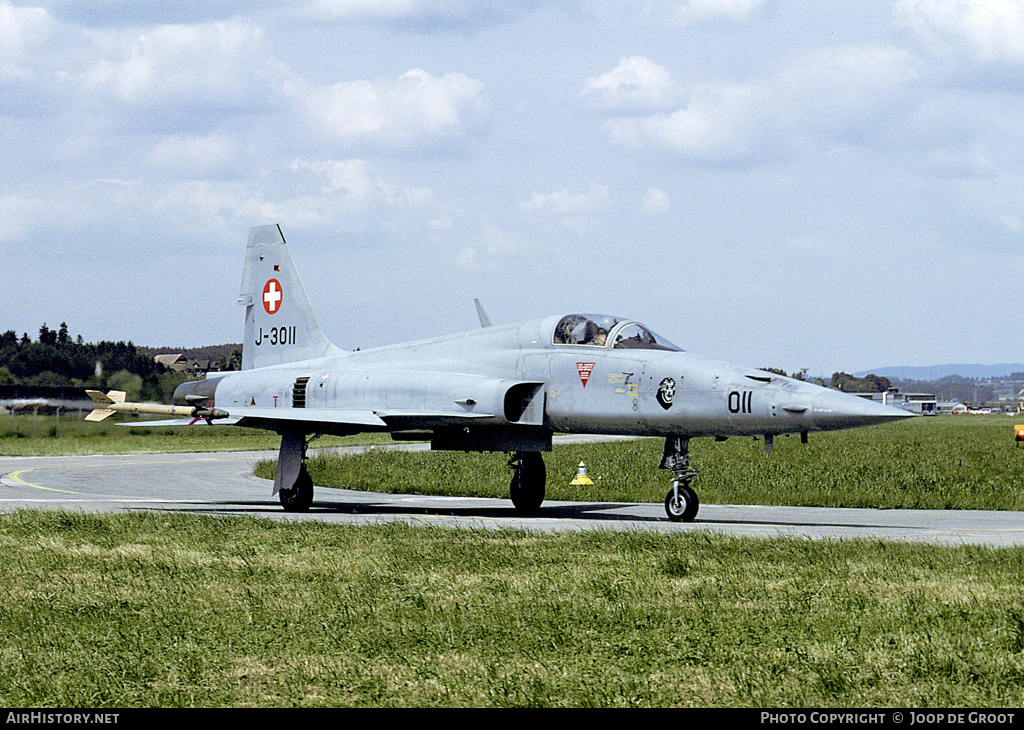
[[260, 417], [180, 422], [360, 420], [455, 418], [308, 415]]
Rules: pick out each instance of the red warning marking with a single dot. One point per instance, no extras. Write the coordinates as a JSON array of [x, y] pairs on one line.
[[585, 369]]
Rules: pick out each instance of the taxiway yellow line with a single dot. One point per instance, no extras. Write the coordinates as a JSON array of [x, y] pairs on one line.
[[15, 476]]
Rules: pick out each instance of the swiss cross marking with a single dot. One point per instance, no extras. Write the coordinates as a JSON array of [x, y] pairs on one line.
[[584, 369], [272, 296]]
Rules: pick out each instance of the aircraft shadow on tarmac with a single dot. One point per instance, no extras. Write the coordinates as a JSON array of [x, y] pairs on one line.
[[591, 511]]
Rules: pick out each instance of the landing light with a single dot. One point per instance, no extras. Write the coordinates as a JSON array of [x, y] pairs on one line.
[[1018, 434]]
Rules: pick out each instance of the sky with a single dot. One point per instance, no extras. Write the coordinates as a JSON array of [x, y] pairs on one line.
[[777, 183]]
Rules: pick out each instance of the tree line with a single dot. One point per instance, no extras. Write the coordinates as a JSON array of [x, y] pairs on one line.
[[948, 388], [955, 388], [868, 384], [57, 359]]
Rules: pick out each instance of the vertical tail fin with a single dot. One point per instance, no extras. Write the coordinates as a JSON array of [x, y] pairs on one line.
[[280, 326]]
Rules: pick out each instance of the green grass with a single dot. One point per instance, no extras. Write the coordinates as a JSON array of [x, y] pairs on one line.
[[166, 610], [148, 610], [954, 462]]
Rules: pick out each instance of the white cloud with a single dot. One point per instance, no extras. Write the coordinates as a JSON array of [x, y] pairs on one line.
[[959, 163], [386, 9], [836, 88], [655, 202], [575, 211], [194, 154], [717, 122], [21, 29], [986, 30], [637, 83], [213, 64], [496, 247], [564, 202], [416, 109], [690, 12], [1012, 223], [817, 96], [423, 15], [301, 195], [20, 215], [355, 181]]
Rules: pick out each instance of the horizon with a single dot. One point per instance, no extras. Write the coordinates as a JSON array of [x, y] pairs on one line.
[[932, 372]]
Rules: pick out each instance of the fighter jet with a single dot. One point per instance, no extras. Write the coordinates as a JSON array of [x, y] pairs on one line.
[[504, 388]]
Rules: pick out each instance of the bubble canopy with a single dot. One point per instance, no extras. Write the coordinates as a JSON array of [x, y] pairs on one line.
[[603, 330]]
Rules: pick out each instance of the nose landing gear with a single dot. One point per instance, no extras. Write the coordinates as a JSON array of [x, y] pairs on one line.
[[681, 503]]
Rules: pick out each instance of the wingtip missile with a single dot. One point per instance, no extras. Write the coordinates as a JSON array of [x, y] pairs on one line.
[[103, 402], [107, 404]]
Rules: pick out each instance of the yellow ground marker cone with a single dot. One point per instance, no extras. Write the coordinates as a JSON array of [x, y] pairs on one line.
[[581, 476]]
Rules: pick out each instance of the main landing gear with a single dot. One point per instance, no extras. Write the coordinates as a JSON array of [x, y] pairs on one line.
[[292, 483], [528, 478], [294, 486], [300, 497], [681, 503]]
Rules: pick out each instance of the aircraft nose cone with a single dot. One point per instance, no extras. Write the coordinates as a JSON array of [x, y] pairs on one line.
[[835, 410]]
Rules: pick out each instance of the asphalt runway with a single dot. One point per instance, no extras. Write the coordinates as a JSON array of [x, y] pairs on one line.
[[223, 484]]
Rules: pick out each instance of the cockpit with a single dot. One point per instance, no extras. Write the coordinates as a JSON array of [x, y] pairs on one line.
[[601, 330]]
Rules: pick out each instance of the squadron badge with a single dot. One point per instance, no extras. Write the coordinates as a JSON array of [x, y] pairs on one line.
[[666, 392]]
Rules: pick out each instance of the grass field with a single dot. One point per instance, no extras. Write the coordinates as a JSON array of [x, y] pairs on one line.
[[172, 610], [165, 610]]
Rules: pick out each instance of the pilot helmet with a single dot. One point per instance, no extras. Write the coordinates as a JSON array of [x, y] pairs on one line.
[[606, 323]]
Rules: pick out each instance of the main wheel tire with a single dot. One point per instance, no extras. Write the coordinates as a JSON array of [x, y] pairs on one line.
[[300, 497], [684, 507], [527, 488]]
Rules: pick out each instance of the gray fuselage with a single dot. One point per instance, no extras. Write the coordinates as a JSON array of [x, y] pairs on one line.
[[517, 376]]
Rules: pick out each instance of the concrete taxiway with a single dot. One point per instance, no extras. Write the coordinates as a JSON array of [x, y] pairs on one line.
[[223, 484]]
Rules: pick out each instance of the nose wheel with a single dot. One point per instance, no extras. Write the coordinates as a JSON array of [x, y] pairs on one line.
[[681, 503]]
